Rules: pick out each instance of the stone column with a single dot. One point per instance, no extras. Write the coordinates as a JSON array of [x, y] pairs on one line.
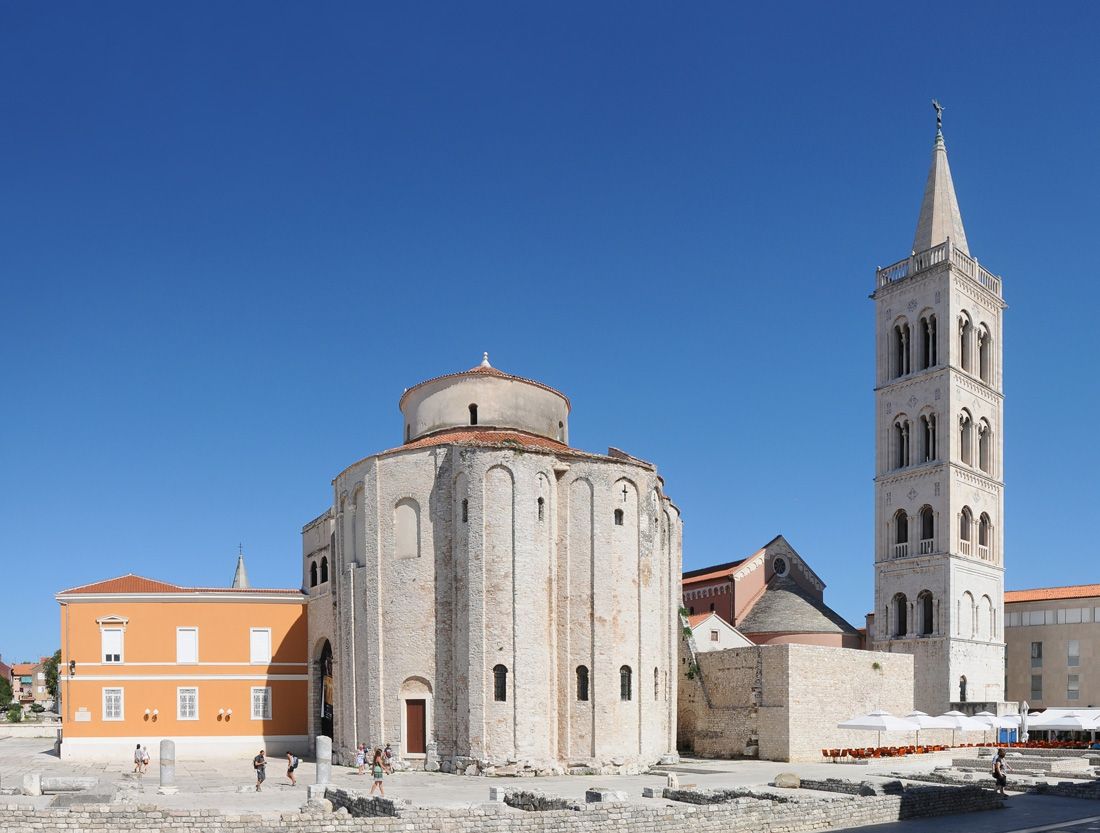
[[324, 760], [167, 768]]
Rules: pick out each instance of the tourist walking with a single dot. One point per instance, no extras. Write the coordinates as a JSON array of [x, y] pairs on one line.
[[1000, 770], [144, 759], [259, 763], [361, 759], [378, 771], [291, 765], [387, 759], [138, 758]]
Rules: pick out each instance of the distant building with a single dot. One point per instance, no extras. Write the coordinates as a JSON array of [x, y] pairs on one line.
[[1052, 638], [28, 683], [221, 671], [772, 597], [713, 633]]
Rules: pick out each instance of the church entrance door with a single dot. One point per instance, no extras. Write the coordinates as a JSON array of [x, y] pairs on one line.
[[415, 727]]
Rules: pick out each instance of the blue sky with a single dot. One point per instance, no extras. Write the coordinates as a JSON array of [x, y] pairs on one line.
[[231, 234]]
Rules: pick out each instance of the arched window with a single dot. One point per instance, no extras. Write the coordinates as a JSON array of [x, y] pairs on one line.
[[618, 517], [927, 613], [985, 444], [406, 528], [324, 569], [985, 535], [542, 504], [985, 354], [901, 534], [928, 438], [966, 520], [313, 574], [656, 684], [625, 692], [966, 437], [561, 432], [691, 610], [901, 615], [967, 613], [473, 414], [901, 443], [500, 683], [901, 348], [712, 607], [928, 341], [465, 510], [966, 335], [927, 530], [582, 683]]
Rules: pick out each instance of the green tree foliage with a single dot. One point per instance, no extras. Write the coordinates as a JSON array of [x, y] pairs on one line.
[[51, 673], [5, 693]]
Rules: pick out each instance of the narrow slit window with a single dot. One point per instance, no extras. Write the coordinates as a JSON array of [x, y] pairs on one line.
[[500, 683], [618, 517], [582, 683], [542, 508], [625, 692], [473, 414]]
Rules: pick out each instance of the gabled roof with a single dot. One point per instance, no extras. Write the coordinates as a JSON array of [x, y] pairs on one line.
[[940, 217], [784, 607], [724, 570], [134, 584], [1039, 594]]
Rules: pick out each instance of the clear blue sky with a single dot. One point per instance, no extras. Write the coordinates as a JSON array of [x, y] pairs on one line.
[[232, 233]]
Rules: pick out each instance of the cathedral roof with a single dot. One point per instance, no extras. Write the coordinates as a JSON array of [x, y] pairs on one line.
[[940, 217], [1039, 594], [498, 438], [484, 369], [784, 607], [131, 583]]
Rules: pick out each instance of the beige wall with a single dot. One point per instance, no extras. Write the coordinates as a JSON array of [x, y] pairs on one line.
[[1054, 669]]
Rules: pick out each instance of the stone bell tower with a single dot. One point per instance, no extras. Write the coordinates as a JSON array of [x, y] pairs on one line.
[[939, 489]]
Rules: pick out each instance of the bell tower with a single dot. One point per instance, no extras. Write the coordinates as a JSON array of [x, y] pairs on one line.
[[939, 489]]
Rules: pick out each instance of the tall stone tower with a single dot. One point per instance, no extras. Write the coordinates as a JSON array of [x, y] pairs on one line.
[[939, 490]]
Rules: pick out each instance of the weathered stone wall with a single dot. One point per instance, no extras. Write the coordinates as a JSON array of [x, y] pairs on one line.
[[786, 700]]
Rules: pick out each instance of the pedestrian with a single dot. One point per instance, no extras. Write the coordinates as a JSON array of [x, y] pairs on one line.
[[378, 771], [1000, 768], [144, 759], [387, 759], [137, 759], [291, 765], [361, 759], [259, 763]]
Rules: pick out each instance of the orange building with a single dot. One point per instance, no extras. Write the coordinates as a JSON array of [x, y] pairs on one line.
[[221, 671]]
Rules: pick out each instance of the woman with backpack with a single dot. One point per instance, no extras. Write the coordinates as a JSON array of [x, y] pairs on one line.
[[291, 765]]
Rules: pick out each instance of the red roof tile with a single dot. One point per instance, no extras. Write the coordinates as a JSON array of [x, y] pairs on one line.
[[131, 583], [695, 618], [1076, 591], [490, 437]]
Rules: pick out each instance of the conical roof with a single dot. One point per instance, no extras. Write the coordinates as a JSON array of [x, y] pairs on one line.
[[939, 212], [240, 577]]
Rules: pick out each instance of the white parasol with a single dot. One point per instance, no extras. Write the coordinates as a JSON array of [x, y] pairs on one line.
[[880, 721]]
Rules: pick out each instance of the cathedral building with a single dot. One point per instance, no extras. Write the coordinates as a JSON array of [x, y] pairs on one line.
[[939, 489], [487, 598]]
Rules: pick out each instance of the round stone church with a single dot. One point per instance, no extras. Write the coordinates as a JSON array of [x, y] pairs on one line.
[[488, 599]]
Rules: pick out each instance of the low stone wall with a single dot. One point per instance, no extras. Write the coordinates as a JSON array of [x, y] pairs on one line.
[[537, 802], [742, 815], [837, 785], [1026, 764], [1068, 789], [359, 805]]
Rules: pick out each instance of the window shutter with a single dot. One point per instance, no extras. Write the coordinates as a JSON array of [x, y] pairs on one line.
[[187, 645], [112, 645], [260, 649]]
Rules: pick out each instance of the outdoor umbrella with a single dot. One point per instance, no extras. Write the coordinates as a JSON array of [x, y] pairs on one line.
[[880, 721], [1071, 721], [926, 721], [991, 721], [961, 723], [1023, 721]]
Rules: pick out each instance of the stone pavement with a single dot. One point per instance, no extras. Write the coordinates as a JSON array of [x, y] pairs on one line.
[[1022, 814]]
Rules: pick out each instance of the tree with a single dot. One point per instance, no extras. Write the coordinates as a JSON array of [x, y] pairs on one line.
[[51, 673], [5, 693]]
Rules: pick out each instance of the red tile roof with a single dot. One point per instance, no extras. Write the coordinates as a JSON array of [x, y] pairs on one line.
[[695, 618], [22, 669], [482, 370], [487, 437], [1076, 591], [131, 583]]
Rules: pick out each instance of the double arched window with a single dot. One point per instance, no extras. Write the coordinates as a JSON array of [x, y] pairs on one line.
[[901, 442], [985, 354], [985, 537], [966, 341], [313, 574], [901, 615], [901, 534], [928, 338], [926, 613], [966, 437], [901, 348], [985, 446], [324, 569], [966, 521], [928, 437], [927, 530]]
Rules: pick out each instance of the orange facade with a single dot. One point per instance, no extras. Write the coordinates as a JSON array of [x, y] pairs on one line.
[[217, 670]]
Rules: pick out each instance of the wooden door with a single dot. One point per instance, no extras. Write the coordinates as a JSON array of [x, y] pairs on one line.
[[415, 727]]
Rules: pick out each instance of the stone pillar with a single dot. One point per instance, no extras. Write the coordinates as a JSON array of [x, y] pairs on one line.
[[324, 759], [167, 768]]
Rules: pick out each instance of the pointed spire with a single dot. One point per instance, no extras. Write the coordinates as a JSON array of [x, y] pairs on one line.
[[939, 212], [240, 577], [485, 360]]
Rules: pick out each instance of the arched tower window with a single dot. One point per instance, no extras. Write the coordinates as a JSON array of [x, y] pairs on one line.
[[927, 530], [656, 684], [618, 517], [324, 569], [966, 520], [465, 510], [985, 354], [928, 438], [901, 534], [985, 535], [966, 337], [408, 432], [901, 443], [928, 341], [901, 348], [582, 683], [901, 615], [927, 613], [473, 414], [313, 574], [500, 683], [966, 437], [542, 508], [625, 690], [561, 432], [985, 446]]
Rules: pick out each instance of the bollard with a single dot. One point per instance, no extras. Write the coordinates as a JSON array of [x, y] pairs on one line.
[[167, 768], [324, 759]]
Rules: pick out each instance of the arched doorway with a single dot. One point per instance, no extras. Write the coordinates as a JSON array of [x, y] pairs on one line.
[[326, 693]]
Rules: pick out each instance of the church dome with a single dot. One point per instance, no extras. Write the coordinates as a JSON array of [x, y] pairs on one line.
[[488, 398]]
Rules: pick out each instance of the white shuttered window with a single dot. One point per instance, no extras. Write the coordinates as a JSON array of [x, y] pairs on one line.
[[112, 644], [187, 644], [260, 645]]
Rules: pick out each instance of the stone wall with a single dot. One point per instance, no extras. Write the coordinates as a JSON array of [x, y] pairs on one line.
[[783, 702], [741, 815]]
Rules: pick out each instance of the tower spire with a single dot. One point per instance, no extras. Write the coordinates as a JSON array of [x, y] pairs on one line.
[[240, 577], [940, 217]]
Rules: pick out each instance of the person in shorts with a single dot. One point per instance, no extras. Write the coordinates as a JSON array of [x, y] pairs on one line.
[[259, 763], [139, 758], [387, 759], [291, 765], [378, 771], [1000, 771], [361, 759]]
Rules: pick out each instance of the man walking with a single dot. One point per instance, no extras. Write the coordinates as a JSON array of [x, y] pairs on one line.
[[259, 763]]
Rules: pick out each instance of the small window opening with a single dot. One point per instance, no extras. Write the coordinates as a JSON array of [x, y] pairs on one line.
[[324, 569], [313, 574], [500, 683], [465, 510], [618, 517], [712, 607], [624, 683], [582, 683], [473, 415], [691, 610], [408, 433], [542, 506], [656, 684]]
